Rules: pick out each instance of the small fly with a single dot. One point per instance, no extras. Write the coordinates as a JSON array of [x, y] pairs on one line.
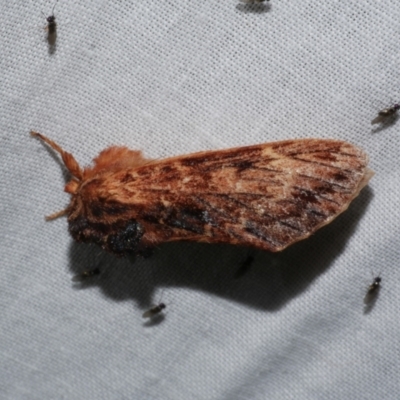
[[154, 311], [373, 290], [384, 114], [51, 27]]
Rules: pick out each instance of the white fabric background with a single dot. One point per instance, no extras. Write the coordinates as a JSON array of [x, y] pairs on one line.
[[173, 77]]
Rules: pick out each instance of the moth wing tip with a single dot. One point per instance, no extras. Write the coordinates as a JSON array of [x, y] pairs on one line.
[[368, 174]]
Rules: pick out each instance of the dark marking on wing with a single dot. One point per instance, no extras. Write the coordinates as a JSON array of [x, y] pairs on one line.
[[243, 165], [326, 156], [223, 157], [323, 165], [254, 229], [327, 183], [291, 226], [304, 195], [340, 176], [127, 178], [115, 208], [190, 219], [316, 214], [127, 240]]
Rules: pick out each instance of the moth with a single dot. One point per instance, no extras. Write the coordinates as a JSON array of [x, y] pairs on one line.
[[373, 290], [154, 311], [384, 114], [266, 196], [51, 27]]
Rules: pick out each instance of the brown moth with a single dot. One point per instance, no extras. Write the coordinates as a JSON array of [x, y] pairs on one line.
[[266, 196], [384, 114]]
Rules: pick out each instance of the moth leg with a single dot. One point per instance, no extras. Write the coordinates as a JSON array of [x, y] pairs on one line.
[[56, 214]]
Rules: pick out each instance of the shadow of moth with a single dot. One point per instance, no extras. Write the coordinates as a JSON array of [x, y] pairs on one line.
[[266, 196]]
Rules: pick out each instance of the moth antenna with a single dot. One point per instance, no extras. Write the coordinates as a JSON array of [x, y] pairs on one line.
[[56, 214], [374, 275], [69, 161]]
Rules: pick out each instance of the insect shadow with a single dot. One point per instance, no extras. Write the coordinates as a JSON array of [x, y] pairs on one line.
[[386, 123], [154, 321], [273, 280], [255, 8]]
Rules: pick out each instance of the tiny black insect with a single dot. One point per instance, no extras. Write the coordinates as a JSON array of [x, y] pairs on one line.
[[51, 27], [86, 274], [373, 290], [385, 113], [154, 311]]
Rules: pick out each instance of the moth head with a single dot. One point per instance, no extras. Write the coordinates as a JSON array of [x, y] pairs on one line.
[[117, 235]]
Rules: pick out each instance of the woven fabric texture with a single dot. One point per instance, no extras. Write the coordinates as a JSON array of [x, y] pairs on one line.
[[170, 78]]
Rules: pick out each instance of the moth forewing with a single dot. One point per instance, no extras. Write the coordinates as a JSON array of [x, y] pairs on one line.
[[266, 196]]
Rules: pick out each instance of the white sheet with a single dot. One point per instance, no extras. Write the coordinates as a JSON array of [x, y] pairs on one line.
[[173, 77]]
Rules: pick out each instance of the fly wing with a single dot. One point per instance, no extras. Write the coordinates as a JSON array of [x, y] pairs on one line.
[[266, 196]]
